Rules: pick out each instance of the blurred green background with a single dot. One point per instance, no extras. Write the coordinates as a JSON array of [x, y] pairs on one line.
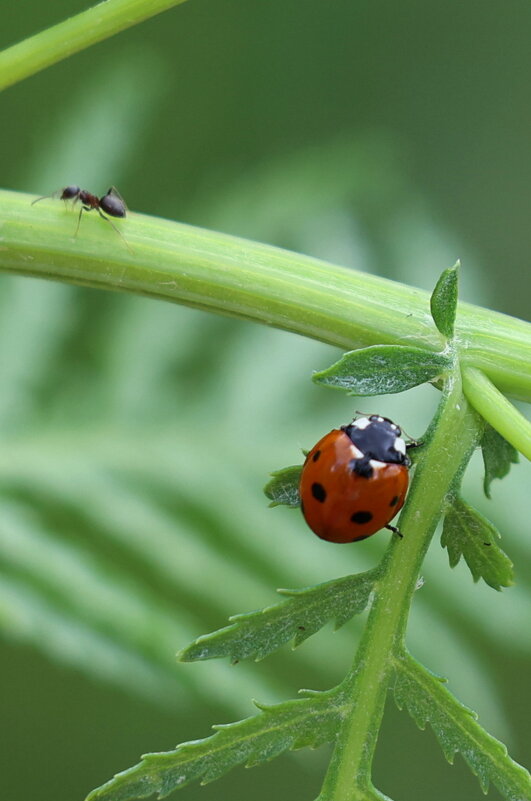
[[136, 436]]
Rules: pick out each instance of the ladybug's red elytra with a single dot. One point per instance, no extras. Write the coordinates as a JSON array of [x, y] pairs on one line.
[[355, 480]]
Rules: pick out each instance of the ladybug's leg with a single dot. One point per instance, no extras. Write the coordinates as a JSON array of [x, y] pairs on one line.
[[410, 446], [395, 530], [414, 444]]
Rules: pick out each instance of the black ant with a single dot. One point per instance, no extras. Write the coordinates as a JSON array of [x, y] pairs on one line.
[[111, 203]]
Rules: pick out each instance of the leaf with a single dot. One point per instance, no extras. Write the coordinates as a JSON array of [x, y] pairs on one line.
[[428, 701], [306, 722], [283, 489], [498, 456], [467, 533], [123, 553], [383, 369], [258, 634], [26, 615], [443, 302]]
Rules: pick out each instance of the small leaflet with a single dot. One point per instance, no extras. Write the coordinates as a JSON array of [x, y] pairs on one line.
[[306, 722], [258, 634], [443, 301], [466, 533], [456, 727], [498, 456], [383, 369], [283, 489]]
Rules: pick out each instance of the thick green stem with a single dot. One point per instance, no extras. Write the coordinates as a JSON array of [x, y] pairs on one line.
[[449, 445], [497, 410], [74, 34], [248, 280]]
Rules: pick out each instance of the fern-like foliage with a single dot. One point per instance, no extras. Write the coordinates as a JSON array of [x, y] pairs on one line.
[[305, 722], [283, 488], [113, 553], [467, 534], [258, 634], [498, 456], [427, 700]]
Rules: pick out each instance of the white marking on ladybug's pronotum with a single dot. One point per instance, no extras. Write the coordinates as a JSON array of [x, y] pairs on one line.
[[400, 445], [361, 423], [356, 453], [374, 463]]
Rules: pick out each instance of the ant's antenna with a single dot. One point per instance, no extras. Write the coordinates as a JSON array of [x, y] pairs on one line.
[[44, 197]]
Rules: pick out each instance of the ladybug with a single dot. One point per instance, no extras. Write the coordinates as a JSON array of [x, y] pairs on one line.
[[355, 480]]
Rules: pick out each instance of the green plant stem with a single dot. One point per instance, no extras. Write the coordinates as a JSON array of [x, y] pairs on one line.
[[74, 34], [497, 410], [450, 443], [252, 281]]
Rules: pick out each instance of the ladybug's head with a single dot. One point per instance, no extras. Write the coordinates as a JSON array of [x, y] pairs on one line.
[[376, 418], [378, 438]]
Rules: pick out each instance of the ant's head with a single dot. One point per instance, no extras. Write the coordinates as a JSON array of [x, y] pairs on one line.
[[70, 192]]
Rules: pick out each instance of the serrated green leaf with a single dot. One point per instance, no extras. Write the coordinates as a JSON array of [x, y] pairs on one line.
[[443, 302], [467, 533], [258, 634], [498, 456], [427, 700], [283, 489], [383, 369], [306, 722]]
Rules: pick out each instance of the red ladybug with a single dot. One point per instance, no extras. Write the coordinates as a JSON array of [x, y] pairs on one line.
[[355, 480]]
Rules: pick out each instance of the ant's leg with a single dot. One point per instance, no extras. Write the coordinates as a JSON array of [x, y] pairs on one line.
[[122, 237], [81, 210], [113, 191]]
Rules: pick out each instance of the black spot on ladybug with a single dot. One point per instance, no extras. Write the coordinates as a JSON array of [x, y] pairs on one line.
[[362, 467], [394, 501], [361, 517], [316, 456], [318, 492]]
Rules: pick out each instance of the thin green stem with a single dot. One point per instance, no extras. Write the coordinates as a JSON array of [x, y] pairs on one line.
[[497, 410], [74, 34], [449, 445], [252, 281]]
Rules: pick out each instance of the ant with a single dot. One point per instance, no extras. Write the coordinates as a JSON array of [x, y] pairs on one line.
[[111, 203]]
